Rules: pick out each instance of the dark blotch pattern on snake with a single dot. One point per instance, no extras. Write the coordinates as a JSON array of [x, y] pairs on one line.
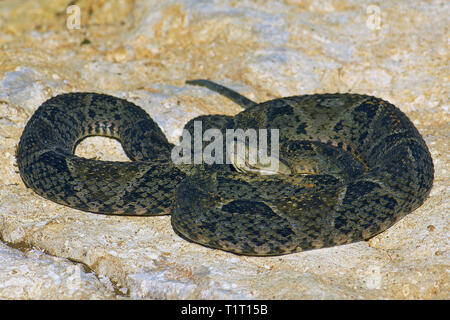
[[355, 166]]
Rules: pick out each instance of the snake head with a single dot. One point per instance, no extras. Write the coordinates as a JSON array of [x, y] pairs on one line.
[[248, 158]]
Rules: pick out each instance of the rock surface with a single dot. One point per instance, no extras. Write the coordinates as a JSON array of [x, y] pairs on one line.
[[144, 51], [35, 275]]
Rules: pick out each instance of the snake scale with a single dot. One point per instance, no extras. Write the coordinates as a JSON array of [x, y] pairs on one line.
[[353, 166]]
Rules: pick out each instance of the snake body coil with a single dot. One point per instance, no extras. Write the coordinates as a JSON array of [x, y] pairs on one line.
[[356, 166]]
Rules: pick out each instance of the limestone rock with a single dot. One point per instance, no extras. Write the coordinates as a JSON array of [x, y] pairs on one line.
[[35, 275], [144, 51]]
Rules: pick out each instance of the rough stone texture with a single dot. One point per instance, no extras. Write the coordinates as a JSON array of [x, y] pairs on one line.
[[35, 275], [144, 51]]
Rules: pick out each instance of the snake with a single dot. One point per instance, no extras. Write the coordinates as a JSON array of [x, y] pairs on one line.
[[350, 166]]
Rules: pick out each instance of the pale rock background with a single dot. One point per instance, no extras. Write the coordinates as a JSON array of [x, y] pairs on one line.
[[144, 51]]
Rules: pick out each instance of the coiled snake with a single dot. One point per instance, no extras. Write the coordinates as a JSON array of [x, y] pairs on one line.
[[352, 165]]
